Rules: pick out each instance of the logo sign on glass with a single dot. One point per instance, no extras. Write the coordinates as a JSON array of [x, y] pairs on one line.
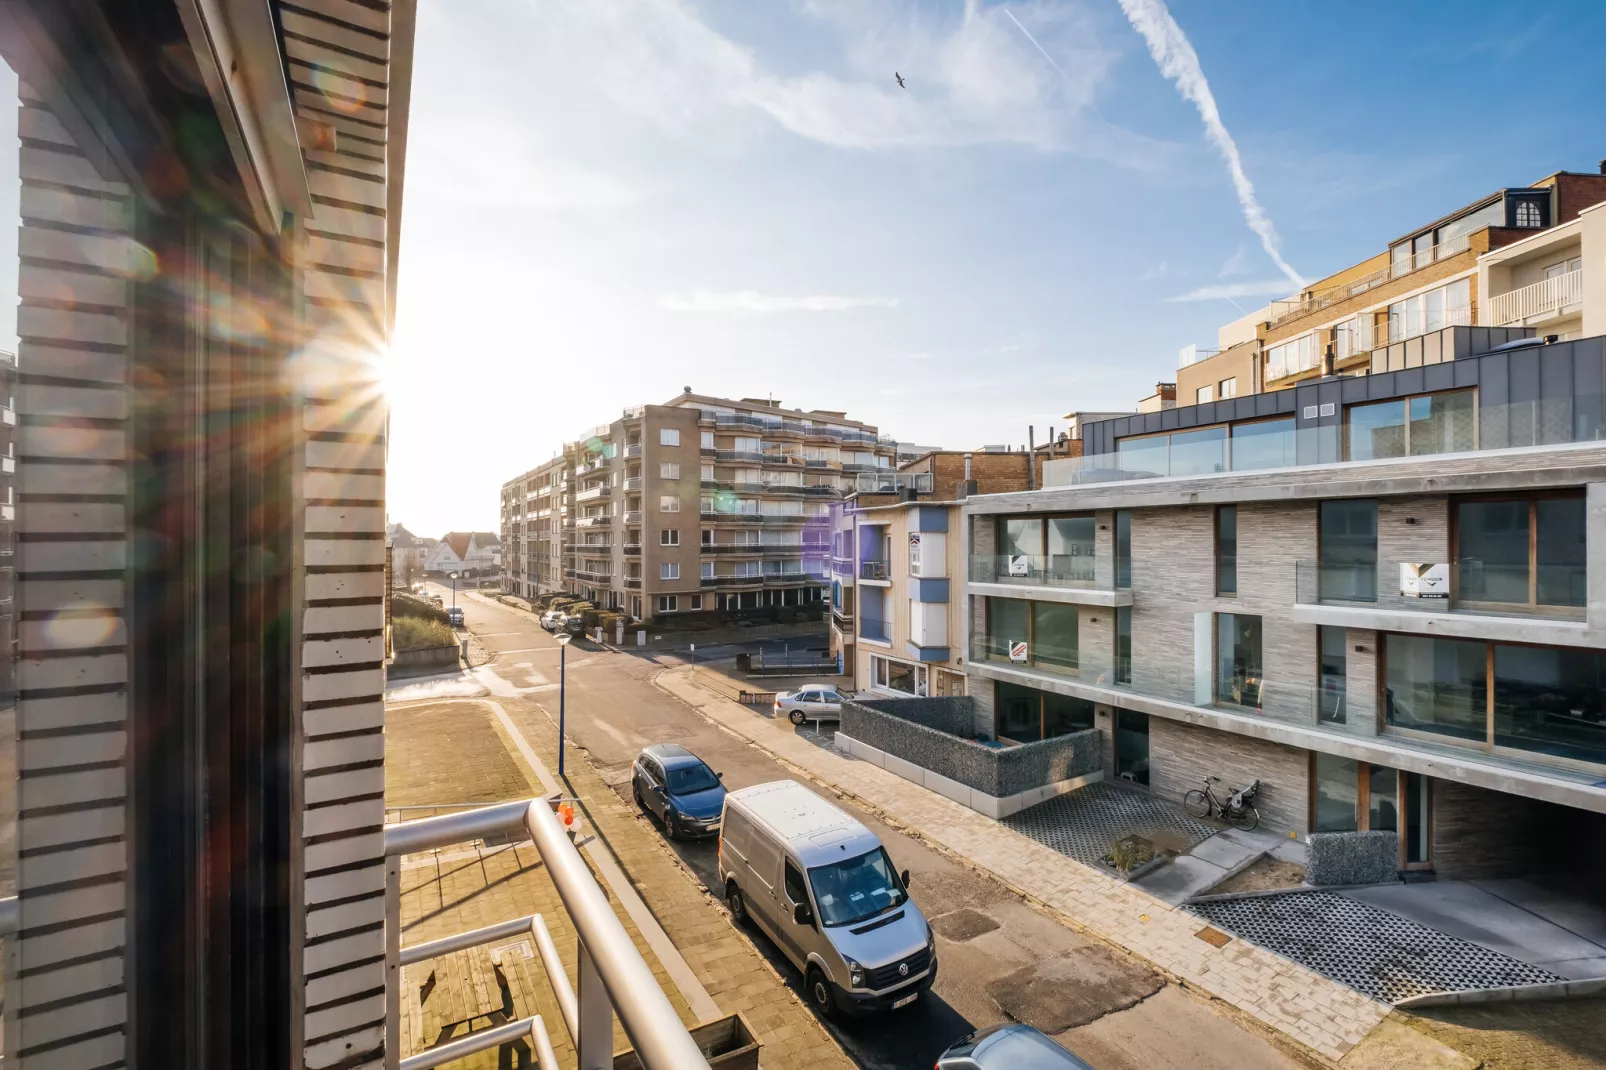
[[1424, 581], [1020, 565], [1017, 651]]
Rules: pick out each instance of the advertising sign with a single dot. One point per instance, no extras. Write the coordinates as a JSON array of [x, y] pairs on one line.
[[1020, 565], [1424, 580], [1017, 651]]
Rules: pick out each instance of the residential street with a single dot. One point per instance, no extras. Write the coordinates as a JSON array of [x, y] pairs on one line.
[[1001, 959]]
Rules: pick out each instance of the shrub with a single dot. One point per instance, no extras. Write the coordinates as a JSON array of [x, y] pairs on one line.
[[417, 633], [406, 605]]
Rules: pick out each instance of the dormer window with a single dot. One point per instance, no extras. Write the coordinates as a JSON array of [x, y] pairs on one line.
[[1527, 215]]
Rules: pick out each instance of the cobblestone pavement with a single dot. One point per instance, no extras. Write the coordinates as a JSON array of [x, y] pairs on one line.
[[1371, 950], [459, 752], [1085, 824], [1558, 1035], [1320, 1014]]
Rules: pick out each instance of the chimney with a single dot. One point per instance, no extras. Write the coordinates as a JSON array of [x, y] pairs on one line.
[[1603, 167], [1327, 361], [1031, 457], [968, 486]]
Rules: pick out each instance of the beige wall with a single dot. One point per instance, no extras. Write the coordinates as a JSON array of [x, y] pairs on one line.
[[1237, 362]]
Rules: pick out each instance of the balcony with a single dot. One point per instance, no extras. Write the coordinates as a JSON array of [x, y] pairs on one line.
[[873, 570], [1075, 578], [594, 521], [731, 517], [633, 485], [1304, 304], [738, 456], [633, 583], [815, 490], [593, 575], [600, 490], [754, 580], [632, 549], [633, 449], [820, 462], [885, 481], [789, 518], [1562, 295], [875, 630], [828, 433], [633, 518], [842, 613], [749, 548], [1456, 600]]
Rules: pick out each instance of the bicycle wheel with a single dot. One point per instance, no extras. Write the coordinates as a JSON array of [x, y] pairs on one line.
[[1196, 804], [1244, 819]]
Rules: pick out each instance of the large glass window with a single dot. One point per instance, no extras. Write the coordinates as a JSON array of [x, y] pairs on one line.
[[1437, 685], [1521, 551], [1551, 700], [1382, 799], [1337, 794], [1444, 306], [1054, 634], [1026, 714], [1123, 644], [1070, 548], [1238, 671], [1009, 621], [1020, 535], [1347, 536], [1132, 746], [1417, 426], [1227, 549], [1197, 453], [1264, 444], [1334, 673], [1123, 548]]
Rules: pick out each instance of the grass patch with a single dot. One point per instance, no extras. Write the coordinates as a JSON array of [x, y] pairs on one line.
[[407, 605], [416, 633]]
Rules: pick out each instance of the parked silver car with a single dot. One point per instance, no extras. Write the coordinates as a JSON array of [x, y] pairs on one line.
[[814, 702]]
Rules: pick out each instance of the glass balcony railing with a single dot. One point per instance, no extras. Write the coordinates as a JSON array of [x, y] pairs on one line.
[[1470, 585], [1426, 425], [872, 570], [1039, 570]]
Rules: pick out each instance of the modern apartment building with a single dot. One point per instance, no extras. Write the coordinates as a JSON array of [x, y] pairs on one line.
[[701, 505], [1513, 258], [1382, 596], [897, 614]]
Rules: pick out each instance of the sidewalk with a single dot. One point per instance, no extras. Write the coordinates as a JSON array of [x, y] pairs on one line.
[[492, 742], [1324, 1016]]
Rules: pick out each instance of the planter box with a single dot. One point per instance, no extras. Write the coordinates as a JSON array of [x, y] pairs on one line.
[[728, 1044], [429, 659]]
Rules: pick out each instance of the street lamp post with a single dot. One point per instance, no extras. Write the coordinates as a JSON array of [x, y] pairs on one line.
[[454, 590], [563, 660]]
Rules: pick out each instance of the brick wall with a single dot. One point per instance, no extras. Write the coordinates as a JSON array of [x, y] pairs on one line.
[[1398, 540], [994, 473], [1575, 192], [1182, 755]]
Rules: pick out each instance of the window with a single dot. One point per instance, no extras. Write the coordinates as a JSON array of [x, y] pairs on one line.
[[668, 436], [1416, 427], [1201, 396], [667, 603], [708, 570], [898, 676], [1434, 310], [708, 473], [1292, 357], [697, 601], [857, 889], [1334, 673], [1026, 714], [669, 503], [1527, 215], [707, 440], [1550, 700], [796, 892], [748, 445], [1123, 644], [1337, 794], [1070, 548], [1437, 685], [1227, 388], [1238, 672], [669, 537], [1347, 538], [1563, 267], [1227, 549], [1353, 336], [708, 536], [1264, 444], [669, 470], [1132, 746], [1123, 548], [1521, 552], [669, 570]]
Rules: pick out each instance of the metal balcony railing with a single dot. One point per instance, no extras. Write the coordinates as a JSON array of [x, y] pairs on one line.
[[1086, 572], [1541, 299], [1471, 584], [872, 570], [613, 977], [871, 628]]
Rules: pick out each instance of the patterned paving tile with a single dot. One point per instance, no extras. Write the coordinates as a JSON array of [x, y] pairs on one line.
[[1373, 951], [1085, 824]]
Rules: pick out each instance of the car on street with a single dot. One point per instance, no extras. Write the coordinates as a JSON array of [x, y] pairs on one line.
[[454, 616], [677, 787], [549, 619], [813, 702], [1011, 1046]]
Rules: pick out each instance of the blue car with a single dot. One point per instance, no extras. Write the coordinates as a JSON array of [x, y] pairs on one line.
[[670, 781]]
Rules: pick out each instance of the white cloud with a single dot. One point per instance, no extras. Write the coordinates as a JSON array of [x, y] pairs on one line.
[[1179, 62], [1236, 264], [753, 301], [1227, 291]]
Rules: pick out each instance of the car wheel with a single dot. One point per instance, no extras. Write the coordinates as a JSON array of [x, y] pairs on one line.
[[733, 900], [670, 831], [635, 792], [797, 716], [819, 993]]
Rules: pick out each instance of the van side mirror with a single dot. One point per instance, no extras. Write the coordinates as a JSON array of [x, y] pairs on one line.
[[802, 914], [904, 876], [719, 776]]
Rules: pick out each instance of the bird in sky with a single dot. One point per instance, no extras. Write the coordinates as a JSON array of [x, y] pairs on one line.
[[899, 77]]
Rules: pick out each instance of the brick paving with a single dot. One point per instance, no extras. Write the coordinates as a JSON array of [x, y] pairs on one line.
[[456, 752], [1321, 1014]]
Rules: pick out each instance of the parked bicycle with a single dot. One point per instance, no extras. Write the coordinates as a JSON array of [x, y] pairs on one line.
[[1234, 807]]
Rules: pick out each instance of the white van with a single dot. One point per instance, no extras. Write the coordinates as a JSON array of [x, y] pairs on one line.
[[824, 889]]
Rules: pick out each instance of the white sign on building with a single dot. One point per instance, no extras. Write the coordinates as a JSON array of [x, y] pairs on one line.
[[1017, 651], [1020, 565], [1424, 580]]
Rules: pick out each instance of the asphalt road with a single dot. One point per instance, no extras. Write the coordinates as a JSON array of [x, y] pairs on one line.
[[1001, 959]]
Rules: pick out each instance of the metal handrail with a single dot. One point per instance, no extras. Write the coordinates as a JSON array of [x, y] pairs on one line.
[[477, 1042], [656, 1032], [10, 916], [568, 1006], [473, 938]]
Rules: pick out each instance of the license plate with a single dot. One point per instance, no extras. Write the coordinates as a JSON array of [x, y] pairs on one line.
[[905, 1001]]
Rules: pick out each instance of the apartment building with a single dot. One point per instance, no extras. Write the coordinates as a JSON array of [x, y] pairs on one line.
[[701, 505], [1382, 596], [1512, 258], [896, 562]]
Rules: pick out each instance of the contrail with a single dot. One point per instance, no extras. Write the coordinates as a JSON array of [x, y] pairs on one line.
[[1035, 45], [1177, 61]]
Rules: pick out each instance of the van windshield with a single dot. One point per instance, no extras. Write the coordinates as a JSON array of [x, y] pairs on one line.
[[859, 888]]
